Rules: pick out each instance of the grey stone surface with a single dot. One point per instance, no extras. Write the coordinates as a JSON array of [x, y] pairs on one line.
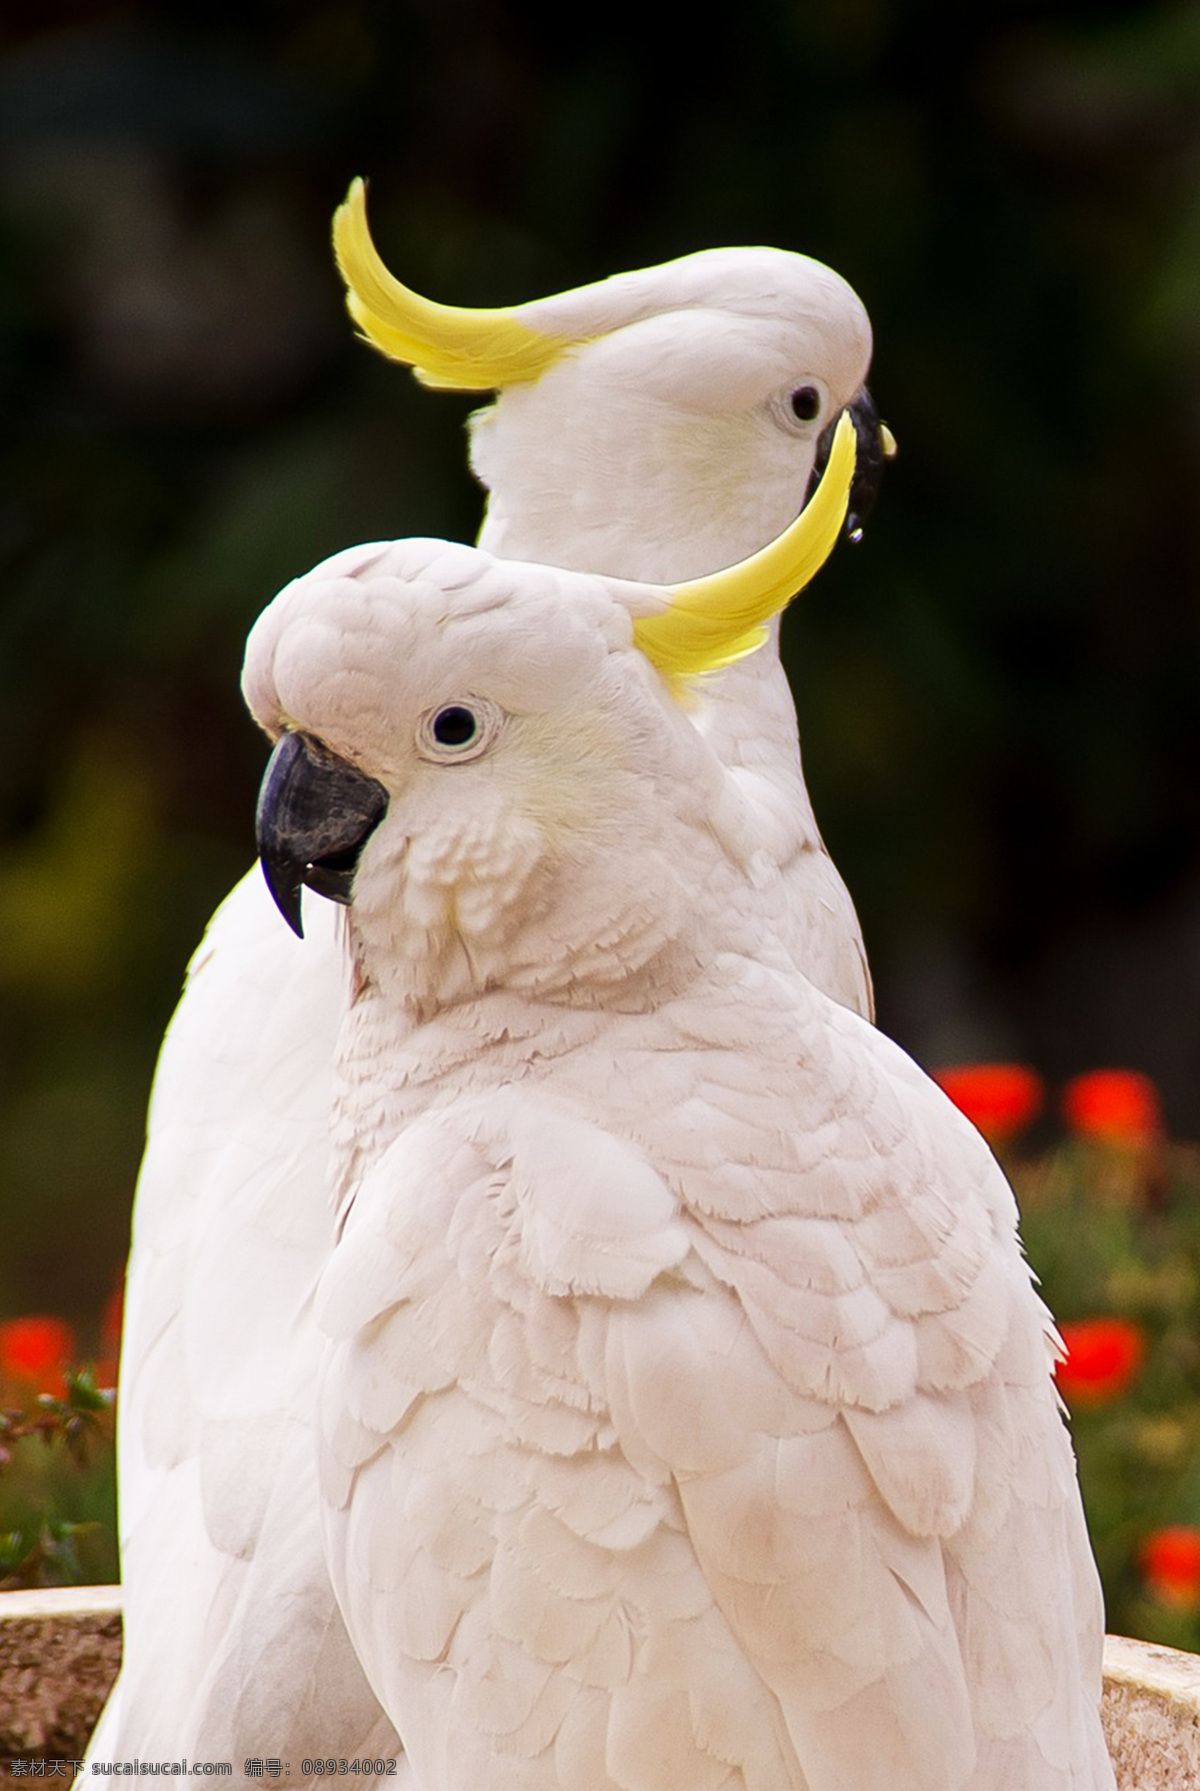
[[59, 1654], [1152, 1715]]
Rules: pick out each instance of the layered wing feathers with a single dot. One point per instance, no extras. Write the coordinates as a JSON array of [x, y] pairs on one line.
[[793, 1433], [232, 1634]]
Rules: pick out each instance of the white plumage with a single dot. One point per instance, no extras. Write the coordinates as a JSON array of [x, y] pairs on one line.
[[658, 443], [686, 1410]]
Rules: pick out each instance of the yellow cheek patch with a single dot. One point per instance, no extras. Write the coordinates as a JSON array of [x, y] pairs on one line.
[[449, 346], [713, 621]]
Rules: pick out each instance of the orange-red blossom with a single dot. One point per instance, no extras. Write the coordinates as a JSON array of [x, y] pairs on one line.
[[1170, 1560], [35, 1353], [1103, 1357], [1001, 1099], [1115, 1106]]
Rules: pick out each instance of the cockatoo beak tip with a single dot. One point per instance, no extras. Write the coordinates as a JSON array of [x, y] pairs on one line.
[[285, 895], [315, 815]]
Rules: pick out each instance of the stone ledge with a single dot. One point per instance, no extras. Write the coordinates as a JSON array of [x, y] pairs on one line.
[[60, 1650], [1152, 1715], [59, 1654]]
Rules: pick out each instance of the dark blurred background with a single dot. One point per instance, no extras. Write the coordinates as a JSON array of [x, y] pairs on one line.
[[996, 690]]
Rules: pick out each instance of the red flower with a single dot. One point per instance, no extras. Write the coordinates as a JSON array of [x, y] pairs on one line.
[[1103, 1356], [1116, 1106], [1171, 1564], [1000, 1098], [35, 1352], [110, 1320]]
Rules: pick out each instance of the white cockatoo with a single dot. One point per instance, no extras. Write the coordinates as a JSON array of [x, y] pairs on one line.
[[661, 424], [686, 1407]]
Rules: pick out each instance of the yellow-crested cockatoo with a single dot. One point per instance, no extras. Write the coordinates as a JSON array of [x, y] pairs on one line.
[[686, 1408], [661, 424]]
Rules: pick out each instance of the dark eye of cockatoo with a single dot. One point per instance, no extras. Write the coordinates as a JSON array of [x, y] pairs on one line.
[[797, 408], [805, 404], [455, 726], [459, 730]]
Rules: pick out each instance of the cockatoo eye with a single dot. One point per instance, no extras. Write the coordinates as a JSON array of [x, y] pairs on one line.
[[805, 404], [459, 730], [797, 408], [455, 726]]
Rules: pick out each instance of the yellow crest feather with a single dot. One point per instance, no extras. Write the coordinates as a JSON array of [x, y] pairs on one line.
[[715, 620], [450, 346]]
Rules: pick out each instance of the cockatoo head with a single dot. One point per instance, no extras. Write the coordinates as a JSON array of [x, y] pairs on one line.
[[476, 750], [658, 424]]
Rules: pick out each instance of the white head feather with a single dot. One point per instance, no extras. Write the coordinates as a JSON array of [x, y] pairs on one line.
[[644, 425], [577, 762]]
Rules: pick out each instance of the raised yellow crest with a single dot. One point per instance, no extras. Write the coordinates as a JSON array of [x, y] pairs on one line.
[[450, 346]]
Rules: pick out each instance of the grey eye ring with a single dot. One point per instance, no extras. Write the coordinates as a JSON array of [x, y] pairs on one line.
[[799, 408], [459, 730]]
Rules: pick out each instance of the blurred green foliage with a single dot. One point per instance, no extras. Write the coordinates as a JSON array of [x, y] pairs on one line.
[[57, 1488], [997, 692], [1116, 1233]]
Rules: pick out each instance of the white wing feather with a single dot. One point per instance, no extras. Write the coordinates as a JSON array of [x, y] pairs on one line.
[[779, 1496], [233, 1641]]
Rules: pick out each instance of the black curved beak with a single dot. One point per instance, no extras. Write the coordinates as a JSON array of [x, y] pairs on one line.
[[875, 445], [315, 815]]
